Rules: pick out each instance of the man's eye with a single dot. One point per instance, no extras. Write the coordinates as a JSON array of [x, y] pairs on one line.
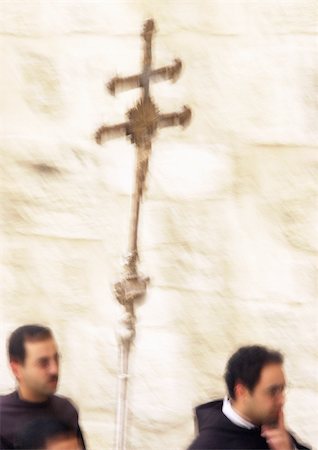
[[275, 390], [43, 363]]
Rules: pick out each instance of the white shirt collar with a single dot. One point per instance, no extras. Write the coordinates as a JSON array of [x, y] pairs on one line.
[[233, 416]]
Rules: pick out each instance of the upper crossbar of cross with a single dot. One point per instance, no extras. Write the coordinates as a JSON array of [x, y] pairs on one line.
[[144, 119]]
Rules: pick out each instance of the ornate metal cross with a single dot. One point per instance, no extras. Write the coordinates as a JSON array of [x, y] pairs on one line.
[[144, 120]]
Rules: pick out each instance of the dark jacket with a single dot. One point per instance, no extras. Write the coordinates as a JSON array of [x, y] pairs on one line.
[[16, 414], [217, 432]]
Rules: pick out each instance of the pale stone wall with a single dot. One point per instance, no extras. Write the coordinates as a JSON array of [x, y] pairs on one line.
[[229, 228]]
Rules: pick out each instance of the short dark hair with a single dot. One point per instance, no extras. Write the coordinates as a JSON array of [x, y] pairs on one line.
[[245, 366], [16, 348], [38, 432]]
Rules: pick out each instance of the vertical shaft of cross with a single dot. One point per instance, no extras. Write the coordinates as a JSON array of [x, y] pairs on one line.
[[126, 337], [143, 121], [134, 216], [121, 419], [134, 286], [147, 59], [143, 152]]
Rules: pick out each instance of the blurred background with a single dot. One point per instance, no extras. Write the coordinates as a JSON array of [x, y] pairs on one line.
[[229, 225]]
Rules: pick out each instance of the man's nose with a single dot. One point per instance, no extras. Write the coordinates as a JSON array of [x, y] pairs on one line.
[[53, 367], [281, 398]]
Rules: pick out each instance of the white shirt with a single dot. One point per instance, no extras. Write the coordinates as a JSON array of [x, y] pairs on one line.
[[234, 417]]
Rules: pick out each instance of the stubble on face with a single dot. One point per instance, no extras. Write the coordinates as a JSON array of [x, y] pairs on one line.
[[267, 399], [39, 372]]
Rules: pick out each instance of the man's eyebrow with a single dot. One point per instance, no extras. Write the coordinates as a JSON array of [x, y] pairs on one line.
[[276, 387], [43, 359], [47, 358]]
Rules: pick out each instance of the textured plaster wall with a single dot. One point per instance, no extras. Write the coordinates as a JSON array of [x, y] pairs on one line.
[[229, 227]]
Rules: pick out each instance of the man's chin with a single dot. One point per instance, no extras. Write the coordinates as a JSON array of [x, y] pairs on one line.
[[271, 421], [51, 388]]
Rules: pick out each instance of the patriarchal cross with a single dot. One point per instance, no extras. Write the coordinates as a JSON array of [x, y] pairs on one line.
[[143, 122]]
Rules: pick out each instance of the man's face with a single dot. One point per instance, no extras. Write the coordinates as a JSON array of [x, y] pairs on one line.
[[63, 443], [38, 374], [263, 404]]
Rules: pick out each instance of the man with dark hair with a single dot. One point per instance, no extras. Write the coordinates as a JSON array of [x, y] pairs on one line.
[[34, 361], [251, 417], [48, 434]]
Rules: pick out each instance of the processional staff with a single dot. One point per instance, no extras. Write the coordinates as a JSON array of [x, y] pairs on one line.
[[143, 121]]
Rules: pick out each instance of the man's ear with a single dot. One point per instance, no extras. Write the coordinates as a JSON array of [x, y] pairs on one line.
[[240, 390], [16, 368]]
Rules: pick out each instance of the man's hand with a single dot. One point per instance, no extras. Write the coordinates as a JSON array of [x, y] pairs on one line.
[[277, 438]]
